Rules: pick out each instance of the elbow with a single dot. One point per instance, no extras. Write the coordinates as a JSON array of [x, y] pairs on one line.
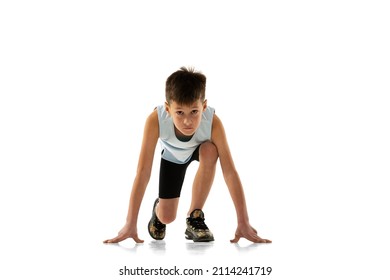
[[143, 174]]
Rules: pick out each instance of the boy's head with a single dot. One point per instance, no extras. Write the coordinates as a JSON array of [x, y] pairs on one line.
[[185, 87], [185, 94]]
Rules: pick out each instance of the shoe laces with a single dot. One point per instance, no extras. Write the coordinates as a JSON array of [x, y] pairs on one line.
[[198, 223]]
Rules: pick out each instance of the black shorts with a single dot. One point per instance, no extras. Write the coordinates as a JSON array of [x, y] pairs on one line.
[[172, 176]]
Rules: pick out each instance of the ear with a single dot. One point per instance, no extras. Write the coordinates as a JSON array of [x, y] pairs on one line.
[[204, 105], [167, 107]]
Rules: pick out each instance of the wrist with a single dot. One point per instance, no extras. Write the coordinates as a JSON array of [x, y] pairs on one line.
[[243, 222], [242, 218], [131, 222]]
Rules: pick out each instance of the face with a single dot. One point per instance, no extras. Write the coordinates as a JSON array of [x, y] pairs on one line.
[[186, 118]]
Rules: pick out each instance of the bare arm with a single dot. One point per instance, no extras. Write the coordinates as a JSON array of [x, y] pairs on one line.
[[145, 162], [233, 182]]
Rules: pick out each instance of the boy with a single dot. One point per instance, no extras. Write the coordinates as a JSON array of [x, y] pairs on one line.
[[188, 130]]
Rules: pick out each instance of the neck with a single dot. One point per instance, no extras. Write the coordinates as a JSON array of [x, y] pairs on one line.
[[181, 136]]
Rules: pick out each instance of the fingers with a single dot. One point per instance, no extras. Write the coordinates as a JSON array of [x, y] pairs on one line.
[[114, 240], [137, 240], [107, 241], [120, 238], [236, 239], [258, 239], [117, 239], [266, 241], [253, 237]]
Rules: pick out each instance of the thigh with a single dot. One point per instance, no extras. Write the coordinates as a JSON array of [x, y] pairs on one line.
[[171, 179]]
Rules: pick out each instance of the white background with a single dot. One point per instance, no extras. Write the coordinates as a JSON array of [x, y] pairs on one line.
[[301, 86]]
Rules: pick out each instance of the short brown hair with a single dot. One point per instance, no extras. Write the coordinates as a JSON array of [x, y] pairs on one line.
[[185, 86]]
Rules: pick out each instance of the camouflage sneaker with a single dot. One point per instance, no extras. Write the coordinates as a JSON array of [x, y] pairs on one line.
[[155, 227], [197, 229]]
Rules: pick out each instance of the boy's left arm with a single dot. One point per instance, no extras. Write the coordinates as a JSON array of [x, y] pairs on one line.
[[232, 179]]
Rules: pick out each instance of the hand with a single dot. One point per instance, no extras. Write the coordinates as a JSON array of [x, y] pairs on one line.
[[126, 232], [248, 232]]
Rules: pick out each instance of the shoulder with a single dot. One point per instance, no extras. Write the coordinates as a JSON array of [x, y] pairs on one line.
[[217, 129], [217, 123], [153, 116], [151, 125]]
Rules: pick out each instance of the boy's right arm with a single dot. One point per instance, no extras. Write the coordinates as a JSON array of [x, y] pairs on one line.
[[145, 162]]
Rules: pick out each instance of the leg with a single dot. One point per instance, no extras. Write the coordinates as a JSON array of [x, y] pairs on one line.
[[208, 155], [166, 209], [170, 184]]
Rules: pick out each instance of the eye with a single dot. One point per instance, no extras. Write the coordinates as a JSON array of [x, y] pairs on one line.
[[194, 112], [179, 113]]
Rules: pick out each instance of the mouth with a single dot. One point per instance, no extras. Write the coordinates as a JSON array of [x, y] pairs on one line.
[[187, 131]]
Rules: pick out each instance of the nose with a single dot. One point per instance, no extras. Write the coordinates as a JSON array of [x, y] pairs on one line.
[[187, 121]]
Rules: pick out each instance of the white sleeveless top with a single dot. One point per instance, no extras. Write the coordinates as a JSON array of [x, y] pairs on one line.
[[178, 151]]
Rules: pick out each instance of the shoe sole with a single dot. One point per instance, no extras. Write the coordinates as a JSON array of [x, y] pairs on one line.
[[190, 236]]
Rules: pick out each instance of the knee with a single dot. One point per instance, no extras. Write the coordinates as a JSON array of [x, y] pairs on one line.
[[209, 152], [166, 217]]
